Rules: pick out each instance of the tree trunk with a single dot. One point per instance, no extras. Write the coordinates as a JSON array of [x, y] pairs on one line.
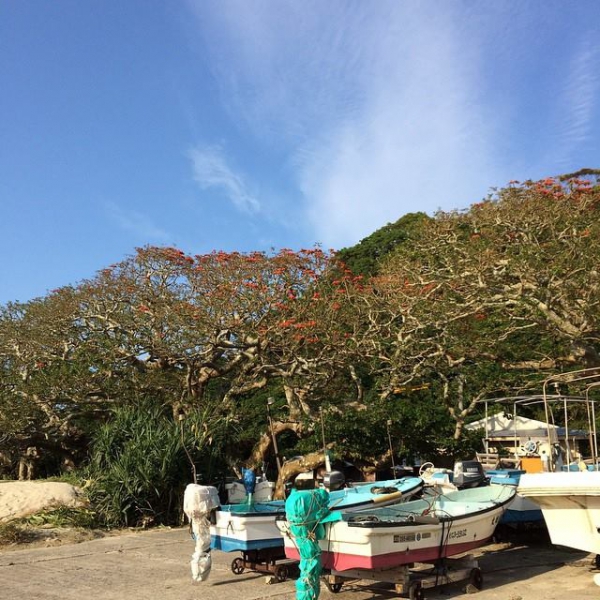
[[266, 440], [296, 401], [294, 467]]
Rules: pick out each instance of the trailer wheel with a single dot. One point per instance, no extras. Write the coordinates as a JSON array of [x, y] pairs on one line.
[[475, 581], [237, 566], [333, 587], [415, 591], [281, 573], [500, 534]]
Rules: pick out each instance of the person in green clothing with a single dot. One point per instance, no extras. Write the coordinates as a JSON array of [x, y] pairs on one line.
[[304, 510]]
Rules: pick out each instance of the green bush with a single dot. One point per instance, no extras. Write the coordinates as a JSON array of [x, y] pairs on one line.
[[11, 533], [139, 466], [63, 516]]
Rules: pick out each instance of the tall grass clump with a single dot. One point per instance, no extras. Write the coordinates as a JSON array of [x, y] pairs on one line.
[[139, 466]]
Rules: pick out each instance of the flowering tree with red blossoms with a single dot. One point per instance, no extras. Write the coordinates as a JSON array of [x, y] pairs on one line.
[[38, 413], [244, 319], [470, 303], [496, 296]]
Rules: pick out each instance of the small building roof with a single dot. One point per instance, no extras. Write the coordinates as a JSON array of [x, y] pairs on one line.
[[502, 426]]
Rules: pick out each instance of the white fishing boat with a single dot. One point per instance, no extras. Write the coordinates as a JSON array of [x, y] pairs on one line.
[[525, 446], [248, 527], [570, 502], [424, 530], [570, 498]]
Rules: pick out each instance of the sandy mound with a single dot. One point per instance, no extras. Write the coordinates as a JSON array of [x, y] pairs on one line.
[[20, 499]]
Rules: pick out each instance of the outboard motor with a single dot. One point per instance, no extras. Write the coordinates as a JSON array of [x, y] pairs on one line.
[[305, 481], [469, 474], [333, 480], [400, 471]]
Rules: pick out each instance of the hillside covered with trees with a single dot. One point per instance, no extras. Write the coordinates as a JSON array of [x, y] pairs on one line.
[[167, 359]]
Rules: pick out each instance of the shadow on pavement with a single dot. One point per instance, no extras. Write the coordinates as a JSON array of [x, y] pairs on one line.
[[522, 556]]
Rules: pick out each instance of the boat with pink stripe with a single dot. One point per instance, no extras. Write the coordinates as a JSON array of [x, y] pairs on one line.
[[425, 530]]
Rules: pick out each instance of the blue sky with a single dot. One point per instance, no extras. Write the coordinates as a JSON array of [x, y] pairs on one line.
[[257, 124]]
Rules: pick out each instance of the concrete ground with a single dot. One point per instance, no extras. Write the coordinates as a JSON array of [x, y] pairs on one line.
[[154, 565]]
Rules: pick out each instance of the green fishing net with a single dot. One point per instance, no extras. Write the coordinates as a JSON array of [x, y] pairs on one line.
[[304, 511]]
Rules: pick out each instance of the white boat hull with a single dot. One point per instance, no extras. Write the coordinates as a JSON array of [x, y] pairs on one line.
[[382, 545], [570, 503], [233, 532], [241, 529]]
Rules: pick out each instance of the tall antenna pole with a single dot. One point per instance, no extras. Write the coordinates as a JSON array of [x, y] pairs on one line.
[[388, 425], [270, 401], [327, 461]]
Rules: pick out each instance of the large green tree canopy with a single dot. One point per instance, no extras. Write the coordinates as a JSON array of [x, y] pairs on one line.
[[444, 310], [166, 325], [495, 296]]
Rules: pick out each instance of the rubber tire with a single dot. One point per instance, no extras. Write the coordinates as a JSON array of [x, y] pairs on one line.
[[281, 573], [416, 592], [335, 588], [476, 579], [237, 566]]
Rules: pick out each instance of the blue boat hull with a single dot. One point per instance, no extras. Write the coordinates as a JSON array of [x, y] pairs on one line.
[[232, 544], [242, 527], [521, 510]]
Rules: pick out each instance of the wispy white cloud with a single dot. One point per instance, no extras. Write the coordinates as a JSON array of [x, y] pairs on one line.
[[422, 141], [381, 112], [376, 112], [578, 101], [211, 171], [136, 223], [284, 68]]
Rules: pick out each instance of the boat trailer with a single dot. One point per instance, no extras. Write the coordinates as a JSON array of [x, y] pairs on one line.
[[271, 561], [412, 579]]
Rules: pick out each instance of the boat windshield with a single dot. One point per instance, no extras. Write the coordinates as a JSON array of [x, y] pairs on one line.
[[556, 446]]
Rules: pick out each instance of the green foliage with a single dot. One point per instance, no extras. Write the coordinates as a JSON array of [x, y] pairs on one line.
[[139, 466], [251, 421], [423, 319], [364, 257], [418, 427], [12, 533], [63, 516]]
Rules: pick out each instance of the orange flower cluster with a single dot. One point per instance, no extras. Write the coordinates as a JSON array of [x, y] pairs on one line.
[[175, 255], [304, 325], [287, 322]]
